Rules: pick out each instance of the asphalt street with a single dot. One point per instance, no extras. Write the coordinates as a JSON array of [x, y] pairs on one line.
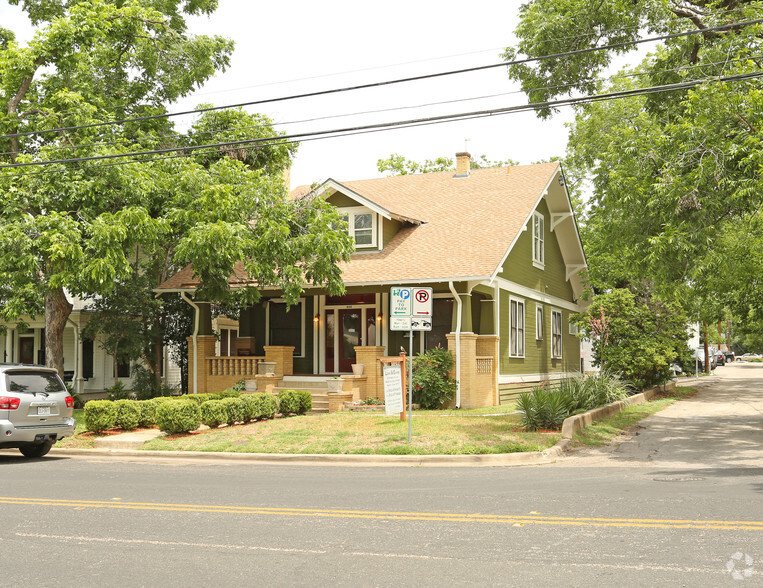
[[676, 503]]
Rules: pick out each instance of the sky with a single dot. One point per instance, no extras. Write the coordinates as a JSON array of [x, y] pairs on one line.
[[290, 47]]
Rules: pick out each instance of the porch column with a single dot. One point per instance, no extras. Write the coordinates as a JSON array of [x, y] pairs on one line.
[[466, 313], [206, 349], [472, 396], [245, 339], [9, 346], [205, 318], [487, 316]]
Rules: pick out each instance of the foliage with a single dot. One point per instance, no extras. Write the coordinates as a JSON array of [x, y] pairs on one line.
[[117, 391], [589, 391], [636, 338], [305, 401], [213, 413], [235, 409], [148, 410], [672, 175], [432, 386], [128, 414], [288, 402], [178, 416], [268, 405], [100, 415], [202, 398], [145, 384], [372, 402], [544, 408], [239, 386], [397, 165]]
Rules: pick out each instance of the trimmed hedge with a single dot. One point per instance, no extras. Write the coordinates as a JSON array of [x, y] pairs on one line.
[[288, 402], [213, 413], [180, 416], [127, 414], [268, 405], [235, 409], [305, 401], [100, 415]]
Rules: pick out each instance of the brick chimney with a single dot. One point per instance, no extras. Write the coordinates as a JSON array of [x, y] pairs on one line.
[[463, 164]]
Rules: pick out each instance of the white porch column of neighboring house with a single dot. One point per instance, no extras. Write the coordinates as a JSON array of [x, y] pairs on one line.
[[77, 380], [9, 346]]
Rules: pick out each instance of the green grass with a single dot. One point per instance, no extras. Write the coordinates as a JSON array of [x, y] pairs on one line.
[[602, 432], [464, 432], [78, 440]]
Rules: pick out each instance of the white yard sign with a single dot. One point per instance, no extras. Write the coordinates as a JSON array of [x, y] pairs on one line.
[[410, 309], [393, 388]]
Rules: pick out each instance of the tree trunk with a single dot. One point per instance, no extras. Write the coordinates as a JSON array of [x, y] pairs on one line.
[[707, 350], [57, 312]]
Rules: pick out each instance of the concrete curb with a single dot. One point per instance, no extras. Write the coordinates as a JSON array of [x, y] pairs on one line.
[[573, 424], [483, 460]]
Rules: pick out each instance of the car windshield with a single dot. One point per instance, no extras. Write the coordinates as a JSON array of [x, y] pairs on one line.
[[29, 382]]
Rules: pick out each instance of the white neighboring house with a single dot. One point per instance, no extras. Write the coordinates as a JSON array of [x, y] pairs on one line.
[[87, 367]]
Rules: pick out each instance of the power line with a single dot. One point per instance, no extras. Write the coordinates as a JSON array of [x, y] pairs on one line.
[[398, 124], [391, 82]]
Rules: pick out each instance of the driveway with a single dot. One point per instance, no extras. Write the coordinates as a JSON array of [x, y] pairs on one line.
[[720, 428]]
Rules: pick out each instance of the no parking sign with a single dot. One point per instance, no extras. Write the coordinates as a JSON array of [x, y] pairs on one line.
[[410, 309]]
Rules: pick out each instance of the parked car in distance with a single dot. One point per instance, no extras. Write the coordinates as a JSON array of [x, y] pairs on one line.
[[699, 358], [35, 409], [720, 358], [730, 357]]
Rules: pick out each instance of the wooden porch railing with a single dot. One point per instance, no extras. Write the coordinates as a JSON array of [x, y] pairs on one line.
[[233, 366]]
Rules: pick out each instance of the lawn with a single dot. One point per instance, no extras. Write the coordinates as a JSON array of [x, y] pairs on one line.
[[356, 433]]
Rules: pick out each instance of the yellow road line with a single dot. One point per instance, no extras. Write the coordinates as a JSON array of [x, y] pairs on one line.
[[391, 515]]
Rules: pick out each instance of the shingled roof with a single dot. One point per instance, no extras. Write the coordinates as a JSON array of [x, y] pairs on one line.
[[454, 228]]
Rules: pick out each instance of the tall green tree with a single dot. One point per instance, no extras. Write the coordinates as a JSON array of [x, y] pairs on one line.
[[671, 172], [85, 226]]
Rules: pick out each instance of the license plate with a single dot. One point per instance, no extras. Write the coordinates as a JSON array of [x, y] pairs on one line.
[[43, 411]]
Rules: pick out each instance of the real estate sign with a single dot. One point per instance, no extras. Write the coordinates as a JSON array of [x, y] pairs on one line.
[[393, 388]]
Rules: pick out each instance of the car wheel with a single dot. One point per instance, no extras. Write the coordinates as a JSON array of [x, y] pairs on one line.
[[36, 450]]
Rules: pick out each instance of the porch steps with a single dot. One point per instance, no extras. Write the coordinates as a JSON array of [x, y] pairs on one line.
[[315, 386]]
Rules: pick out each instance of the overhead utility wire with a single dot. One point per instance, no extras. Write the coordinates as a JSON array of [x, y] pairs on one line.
[[442, 118], [389, 82], [212, 132]]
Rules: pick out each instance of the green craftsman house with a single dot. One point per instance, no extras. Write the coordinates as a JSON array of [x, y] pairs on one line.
[[499, 247]]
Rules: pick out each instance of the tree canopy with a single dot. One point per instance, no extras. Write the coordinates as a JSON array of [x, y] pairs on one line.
[[96, 228], [673, 174], [397, 165]]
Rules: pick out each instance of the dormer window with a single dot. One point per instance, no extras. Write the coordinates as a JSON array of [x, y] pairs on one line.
[[361, 224]]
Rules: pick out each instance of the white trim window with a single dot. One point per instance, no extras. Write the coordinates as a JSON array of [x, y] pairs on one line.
[[539, 322], [539, 253], [516, 327], [556, 334], [361, 226]]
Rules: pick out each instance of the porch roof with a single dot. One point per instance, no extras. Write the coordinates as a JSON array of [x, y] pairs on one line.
[[460, 228]]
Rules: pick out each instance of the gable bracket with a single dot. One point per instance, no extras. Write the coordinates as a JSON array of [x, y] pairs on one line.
[[574, 269], [558, 217]]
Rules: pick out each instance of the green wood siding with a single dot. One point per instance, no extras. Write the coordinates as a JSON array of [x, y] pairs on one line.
[[519, 266], [389, 229], [537, 357], [341, 200]]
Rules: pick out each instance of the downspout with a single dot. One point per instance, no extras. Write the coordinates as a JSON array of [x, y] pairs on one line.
[[184, 296], [458, 342]]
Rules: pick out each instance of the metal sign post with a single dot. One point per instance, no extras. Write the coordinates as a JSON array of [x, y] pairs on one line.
[[410, 310]]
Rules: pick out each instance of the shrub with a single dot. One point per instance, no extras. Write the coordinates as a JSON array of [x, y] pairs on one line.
[[201, 398], [127, 414], [180, 416], [544, 409], [288, 402], [117, 391], [229, 393], [239, 386], [432, 387], [235, 409], [99, 415], [268, 405], [213, 413], [635, 337], [305, 401], [148, 410]]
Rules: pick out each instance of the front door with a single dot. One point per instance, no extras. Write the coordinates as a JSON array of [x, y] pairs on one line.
[[350, 335], [26, 350]]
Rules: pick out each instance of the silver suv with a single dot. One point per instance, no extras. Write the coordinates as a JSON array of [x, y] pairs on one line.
[[35, 409]]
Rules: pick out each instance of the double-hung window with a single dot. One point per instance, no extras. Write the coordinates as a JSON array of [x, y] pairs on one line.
[[361, 225], [556, 334], [539, 253], [517, 328]]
